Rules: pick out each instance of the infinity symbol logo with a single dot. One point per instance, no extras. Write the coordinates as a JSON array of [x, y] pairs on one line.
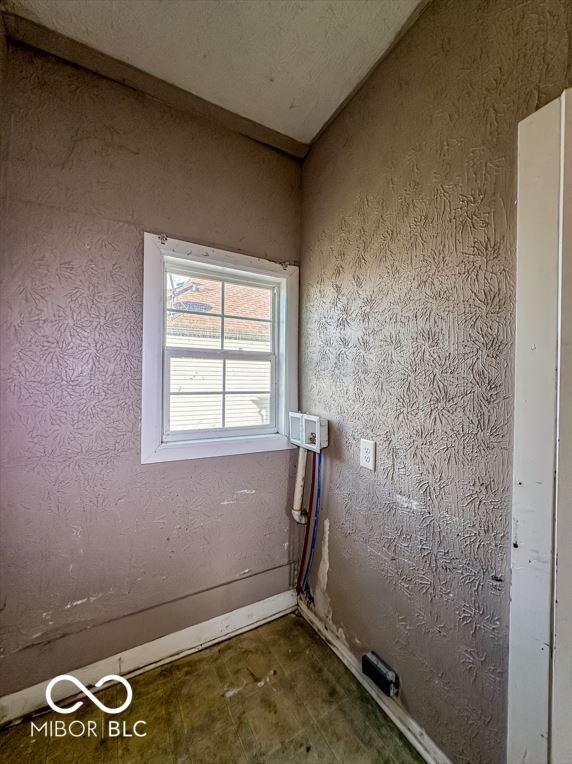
[[69, 678]]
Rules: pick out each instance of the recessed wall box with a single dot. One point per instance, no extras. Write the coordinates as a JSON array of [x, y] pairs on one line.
[[295, 427], [314, 432], [308, 431]]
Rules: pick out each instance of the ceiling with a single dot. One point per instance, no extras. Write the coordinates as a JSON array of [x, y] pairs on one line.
[[286, 64]]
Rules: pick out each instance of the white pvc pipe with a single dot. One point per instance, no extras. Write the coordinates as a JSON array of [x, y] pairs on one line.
[[299, 486]]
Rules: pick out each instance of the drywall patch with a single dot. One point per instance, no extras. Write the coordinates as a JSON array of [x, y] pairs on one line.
[[321, 600], [407, 503], [322, 604]]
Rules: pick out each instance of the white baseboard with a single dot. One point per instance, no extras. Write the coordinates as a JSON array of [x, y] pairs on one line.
[[155, 653], [416, 735]]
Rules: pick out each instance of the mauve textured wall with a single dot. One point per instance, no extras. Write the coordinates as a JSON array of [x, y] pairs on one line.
[[408, 275], [100, 553]]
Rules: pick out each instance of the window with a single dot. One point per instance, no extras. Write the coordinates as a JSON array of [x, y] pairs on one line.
[[219, 352]]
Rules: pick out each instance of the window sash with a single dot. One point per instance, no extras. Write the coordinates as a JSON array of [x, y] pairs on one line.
[[218, 433]]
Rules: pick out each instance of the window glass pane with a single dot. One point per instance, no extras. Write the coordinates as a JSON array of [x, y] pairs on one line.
[[247, 335], [200, 375], [195, 412], [191, 331], [247, 301], [248, 375], [247, 410], [193, 293]]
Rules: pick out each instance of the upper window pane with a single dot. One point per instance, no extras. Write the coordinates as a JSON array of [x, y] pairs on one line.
[[247, 301], [189, 330], [193, 293], [240, 334]]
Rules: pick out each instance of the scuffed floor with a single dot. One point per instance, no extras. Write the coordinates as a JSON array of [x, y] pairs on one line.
[[275, 694]]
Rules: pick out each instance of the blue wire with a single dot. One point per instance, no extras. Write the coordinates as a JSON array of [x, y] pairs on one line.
[[315, 528]]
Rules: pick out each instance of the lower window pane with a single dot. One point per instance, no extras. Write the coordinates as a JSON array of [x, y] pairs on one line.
[[200, 375], [248, 375], [195, 412], [247, 410]]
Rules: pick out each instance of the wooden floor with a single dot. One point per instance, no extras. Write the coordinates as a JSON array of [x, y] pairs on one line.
[[275, 694]]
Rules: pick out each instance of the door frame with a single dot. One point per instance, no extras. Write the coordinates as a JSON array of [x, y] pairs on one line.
[[540, 642]]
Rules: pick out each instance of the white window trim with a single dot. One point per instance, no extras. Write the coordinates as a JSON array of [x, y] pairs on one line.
[[153, 449]]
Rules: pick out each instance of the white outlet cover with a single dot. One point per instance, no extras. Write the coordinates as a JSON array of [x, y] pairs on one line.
[[367, 454]]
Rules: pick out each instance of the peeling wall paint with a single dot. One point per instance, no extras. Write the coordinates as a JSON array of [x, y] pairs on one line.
[[408, 276], [98, 552]]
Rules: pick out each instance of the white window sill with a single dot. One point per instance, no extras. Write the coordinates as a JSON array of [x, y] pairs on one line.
[[203, 449]]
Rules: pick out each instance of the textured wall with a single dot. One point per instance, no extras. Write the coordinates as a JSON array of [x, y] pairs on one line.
[[94, 545], [3, 52], [408, 270]]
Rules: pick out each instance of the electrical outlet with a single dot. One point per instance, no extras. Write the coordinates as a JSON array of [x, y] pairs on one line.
[[367, 454]]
